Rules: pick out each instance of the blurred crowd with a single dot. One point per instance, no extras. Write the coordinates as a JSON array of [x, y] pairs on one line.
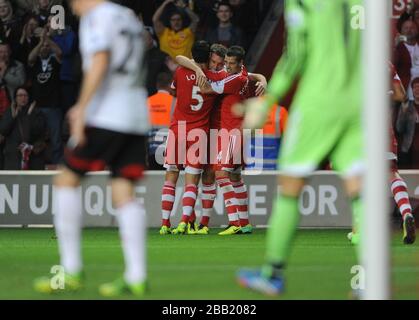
[[405, 116], [40, 65]]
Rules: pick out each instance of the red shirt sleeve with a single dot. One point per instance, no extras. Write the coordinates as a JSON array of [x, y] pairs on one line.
[[174, 82], [233, 84]]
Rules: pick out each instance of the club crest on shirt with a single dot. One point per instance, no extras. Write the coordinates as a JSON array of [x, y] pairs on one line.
[[43, 77]]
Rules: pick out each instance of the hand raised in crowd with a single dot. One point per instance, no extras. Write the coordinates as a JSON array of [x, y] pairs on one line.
[[15, 109], [44, 35], [7, 31], [180, 4], [24, 34], [3, 68], [38, 32], [29, 30]]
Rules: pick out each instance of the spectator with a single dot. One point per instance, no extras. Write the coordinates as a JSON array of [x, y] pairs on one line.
[[11, 25], [161, 106], [247, 15], [29, 38], [225, 32], [406, 58], [25, 6], [12, 72], [409, 14], [24, 128], [177, 39], [156, 61], [43, 11], [407, 127], [70, 68], [4, 105], [45, 61]]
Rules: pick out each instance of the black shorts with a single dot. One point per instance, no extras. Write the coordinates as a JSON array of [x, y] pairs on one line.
[[123, 154]]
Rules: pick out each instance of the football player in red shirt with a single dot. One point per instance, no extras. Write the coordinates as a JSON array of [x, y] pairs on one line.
[[229, 154], [228, 160], [186, 146], [398, 185], [222, 117], [209, 187]]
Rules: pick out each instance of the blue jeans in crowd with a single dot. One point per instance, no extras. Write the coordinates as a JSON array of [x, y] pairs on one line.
[[54, 119]]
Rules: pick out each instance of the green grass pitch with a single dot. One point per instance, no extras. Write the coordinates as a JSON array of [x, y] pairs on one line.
[[199, 267]]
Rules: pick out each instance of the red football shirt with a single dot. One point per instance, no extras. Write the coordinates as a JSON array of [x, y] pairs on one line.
[[192, 106], [234, 87]]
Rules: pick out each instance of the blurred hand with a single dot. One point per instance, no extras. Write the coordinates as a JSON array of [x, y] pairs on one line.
[[25, 31], [404, 106], [7, 32], [3, 68], [260, 88], [252, 110], [400, 38], [44, 35], [201, 78], [180, 4], [77, 126], [38, 32]]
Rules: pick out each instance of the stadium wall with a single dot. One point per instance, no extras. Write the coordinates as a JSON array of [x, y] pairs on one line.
[[26, 199]]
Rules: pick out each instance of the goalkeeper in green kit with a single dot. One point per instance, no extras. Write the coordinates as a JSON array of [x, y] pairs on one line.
[[324, 52]]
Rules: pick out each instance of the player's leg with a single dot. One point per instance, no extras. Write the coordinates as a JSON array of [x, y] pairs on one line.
[[223, 181], [280, 234], [172, 175], [68, 224], [352, 186], [227, 146], [348, 159], [127, 168], [242, 197], [209, 193], [168, 198], [192, 176], [308, 140], [68, 216], [401, 197], [132, 228]]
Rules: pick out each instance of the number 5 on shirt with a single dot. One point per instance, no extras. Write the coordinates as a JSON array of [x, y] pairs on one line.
[[197, 96]]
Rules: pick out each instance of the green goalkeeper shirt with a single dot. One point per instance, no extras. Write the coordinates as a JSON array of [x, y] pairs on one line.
[[323, 51]]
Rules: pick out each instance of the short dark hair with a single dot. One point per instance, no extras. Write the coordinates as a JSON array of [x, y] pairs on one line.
[[415, 81], [226, 4], [30, 17], [4, 43], [22, 88], [219, 50], [176, 13], [236, 51], [164, 80], [201, 51]]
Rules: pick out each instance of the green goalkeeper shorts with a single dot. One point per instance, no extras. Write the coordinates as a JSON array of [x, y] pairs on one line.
[[316, 134]]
